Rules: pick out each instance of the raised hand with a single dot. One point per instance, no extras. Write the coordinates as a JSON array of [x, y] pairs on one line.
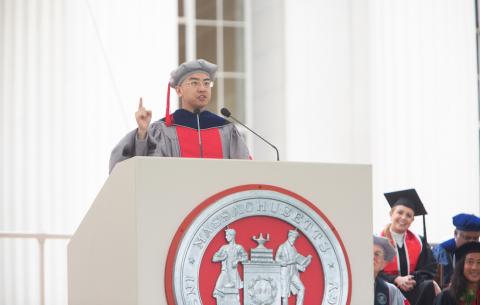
[[143, 118]]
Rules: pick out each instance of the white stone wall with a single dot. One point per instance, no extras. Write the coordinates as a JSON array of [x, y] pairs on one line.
[[71, 73]]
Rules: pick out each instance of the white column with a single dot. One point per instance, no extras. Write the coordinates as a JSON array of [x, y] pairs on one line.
[[318, 80], [71, 73], [268, 78], [424, 108]]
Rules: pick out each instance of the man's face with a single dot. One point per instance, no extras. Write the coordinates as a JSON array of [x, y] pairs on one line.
[[195, 91], [378, 259], [463, 237]]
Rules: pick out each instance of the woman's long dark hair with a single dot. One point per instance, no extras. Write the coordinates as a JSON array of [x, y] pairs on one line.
[[458, 284]]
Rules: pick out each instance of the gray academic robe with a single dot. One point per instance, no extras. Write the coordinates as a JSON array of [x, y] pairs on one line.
[[162, 141]]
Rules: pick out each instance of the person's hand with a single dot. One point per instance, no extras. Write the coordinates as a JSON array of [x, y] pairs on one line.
[[405, 283], [143, 118]]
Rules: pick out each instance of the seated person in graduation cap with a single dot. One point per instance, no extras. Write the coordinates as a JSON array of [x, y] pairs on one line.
[[464, 287], [385, 292], [176, 135], [413, 266], [467, 229]]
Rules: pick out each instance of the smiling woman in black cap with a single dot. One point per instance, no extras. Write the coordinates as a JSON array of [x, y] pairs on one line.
[[413, 266], [465, 285], [191, 131]]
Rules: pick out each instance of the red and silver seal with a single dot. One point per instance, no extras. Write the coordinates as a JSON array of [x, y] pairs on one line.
[[257, 245]]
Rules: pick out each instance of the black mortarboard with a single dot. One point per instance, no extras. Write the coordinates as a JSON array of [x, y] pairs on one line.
[[471, 247], [408, 198]]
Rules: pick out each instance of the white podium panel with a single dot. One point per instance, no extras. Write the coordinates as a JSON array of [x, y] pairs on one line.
[[118, 254]]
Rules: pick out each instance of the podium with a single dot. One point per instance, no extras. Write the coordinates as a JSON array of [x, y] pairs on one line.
[[119, 253]]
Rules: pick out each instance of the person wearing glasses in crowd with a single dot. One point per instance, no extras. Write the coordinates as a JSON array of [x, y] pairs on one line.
[[467, 229], [176, 135], [464, 286], [385, 292], [413, 268]]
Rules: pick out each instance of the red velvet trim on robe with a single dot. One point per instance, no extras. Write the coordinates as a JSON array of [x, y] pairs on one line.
[[190, 148], [414, 248]]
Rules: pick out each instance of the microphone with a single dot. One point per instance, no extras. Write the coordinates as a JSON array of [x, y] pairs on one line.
[[226, 113], [196, 111]]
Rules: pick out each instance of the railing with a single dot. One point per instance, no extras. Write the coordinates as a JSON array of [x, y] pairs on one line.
[[41, 238]]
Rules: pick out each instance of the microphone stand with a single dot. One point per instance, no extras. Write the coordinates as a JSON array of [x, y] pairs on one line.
[[227, 113]]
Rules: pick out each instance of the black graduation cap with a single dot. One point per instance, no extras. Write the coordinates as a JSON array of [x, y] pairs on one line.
[[408, 198], [471, 247]]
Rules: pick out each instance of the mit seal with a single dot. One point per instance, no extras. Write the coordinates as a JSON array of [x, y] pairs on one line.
[[257, 245]]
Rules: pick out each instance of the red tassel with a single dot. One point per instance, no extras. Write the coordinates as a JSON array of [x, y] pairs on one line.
[[168, 117]]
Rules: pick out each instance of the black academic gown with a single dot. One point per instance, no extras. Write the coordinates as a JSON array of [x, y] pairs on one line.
[[424, 291], [445, 298]]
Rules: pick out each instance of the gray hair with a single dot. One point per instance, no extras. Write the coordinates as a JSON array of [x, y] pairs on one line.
[[388, 249]]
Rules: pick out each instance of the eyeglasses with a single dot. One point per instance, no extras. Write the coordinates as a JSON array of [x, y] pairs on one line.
[[196, 83]]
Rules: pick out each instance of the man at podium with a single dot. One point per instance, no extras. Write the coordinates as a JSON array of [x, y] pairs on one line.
[[191, 131]]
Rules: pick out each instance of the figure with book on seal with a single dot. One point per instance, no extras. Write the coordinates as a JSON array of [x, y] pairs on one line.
[[291, 263]]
